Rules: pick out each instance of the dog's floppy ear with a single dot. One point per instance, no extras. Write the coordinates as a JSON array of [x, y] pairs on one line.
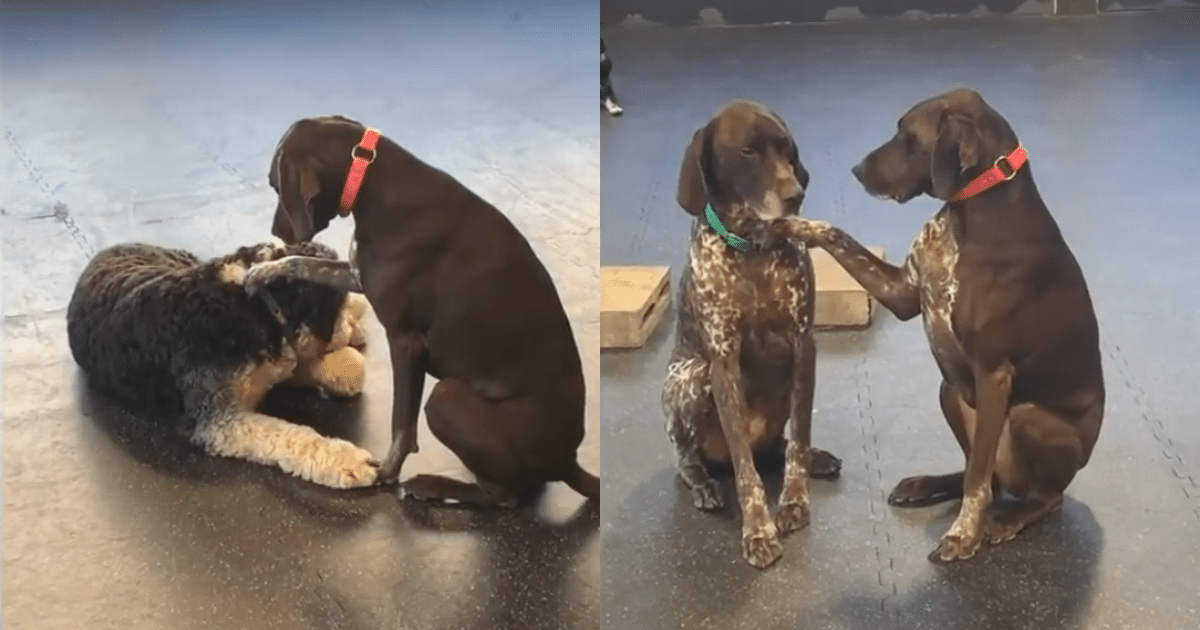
[[692, 195], [955, 152], [298, 186]]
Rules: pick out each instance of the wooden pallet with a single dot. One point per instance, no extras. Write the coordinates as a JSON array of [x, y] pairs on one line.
[[841, 302], [633, 301]]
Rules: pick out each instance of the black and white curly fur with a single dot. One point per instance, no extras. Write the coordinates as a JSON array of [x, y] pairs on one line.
[[170, 335], [608, 95]]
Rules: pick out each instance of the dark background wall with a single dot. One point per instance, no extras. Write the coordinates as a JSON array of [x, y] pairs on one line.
[[770, 11]]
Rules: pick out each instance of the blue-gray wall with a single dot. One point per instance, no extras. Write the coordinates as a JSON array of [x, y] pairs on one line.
[[769, 11]]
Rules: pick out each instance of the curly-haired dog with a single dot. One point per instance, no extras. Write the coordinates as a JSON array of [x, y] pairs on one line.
[[166, 333], [1006, 310], [463, 298], [744, 359]]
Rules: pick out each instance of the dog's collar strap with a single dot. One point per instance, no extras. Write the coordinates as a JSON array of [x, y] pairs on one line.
[[358, 168], [734, 241], [272, 306], [1004, 169]]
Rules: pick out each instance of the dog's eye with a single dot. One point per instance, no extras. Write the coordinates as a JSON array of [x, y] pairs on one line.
[[749, 152]]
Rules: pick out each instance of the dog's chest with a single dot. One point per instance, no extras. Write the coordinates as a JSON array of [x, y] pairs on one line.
[[932, 265], [765, 295]]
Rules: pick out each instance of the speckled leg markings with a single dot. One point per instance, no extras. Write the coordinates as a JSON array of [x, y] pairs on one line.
[[963, 539], [686, 396], [793, 511], [760, 538]]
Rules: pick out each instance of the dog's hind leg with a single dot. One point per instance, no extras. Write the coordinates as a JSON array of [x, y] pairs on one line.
[[227, 426], [687, 401], [1046, 452], [484, 434]]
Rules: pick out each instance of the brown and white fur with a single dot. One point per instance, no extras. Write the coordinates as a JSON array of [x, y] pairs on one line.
[[1006, 310], [744, 360]]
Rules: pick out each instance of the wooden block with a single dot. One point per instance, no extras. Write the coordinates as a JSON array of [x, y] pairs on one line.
[[633, 301], [841, 302]]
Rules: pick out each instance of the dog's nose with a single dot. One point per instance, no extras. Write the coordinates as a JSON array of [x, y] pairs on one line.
[[857, 171], [794, 198]]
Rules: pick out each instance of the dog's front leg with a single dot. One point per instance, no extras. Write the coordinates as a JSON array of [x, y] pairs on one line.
[[760, 538], [992, 387], [409, 363], [793, 509], [894, 287]]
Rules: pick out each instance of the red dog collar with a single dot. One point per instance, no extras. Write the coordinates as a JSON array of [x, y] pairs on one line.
[[358, 169], [995, 175]]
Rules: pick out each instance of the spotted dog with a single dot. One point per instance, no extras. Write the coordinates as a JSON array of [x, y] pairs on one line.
[[1006, 310], [744, 360], [608, 95], [166, 333]]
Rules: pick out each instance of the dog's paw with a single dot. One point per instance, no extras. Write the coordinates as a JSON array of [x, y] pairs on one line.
[[342, 373], [791, 517], [954, 547], [342, 465], [925, 490], [823, 465], [705, 497], [809, 232], [998, 532], [763, 548], [612, 107]]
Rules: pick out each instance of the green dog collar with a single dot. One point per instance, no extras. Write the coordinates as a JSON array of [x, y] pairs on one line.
[[734, 241]]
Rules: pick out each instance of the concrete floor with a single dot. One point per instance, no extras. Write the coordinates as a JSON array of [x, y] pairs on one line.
[[157, 124], [1107, 108]]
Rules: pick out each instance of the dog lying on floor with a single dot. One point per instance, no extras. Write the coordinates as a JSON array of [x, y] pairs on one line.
[[165, 333]]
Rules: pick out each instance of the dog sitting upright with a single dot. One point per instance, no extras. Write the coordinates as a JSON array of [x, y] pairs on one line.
[[744, 358], [608, 95], [463, 298], [1006, 310]]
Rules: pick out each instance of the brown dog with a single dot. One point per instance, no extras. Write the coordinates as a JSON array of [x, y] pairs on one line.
[[744, 359], [463, 298], [1006, 310]]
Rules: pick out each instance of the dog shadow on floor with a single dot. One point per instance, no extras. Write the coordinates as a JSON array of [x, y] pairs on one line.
[[668, 564], [538, 558], [1044, 579]]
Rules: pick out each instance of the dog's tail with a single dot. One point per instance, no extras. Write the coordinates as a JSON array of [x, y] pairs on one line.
[[583, 482]]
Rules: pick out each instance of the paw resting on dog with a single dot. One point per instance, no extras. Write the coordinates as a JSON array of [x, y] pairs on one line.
[[1025, 401]]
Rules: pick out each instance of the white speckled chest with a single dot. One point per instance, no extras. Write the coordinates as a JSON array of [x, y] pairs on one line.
[[729, 295], [931, 265]]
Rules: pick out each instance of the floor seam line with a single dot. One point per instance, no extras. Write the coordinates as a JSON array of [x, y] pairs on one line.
[[884, 558], [1174, 460]]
